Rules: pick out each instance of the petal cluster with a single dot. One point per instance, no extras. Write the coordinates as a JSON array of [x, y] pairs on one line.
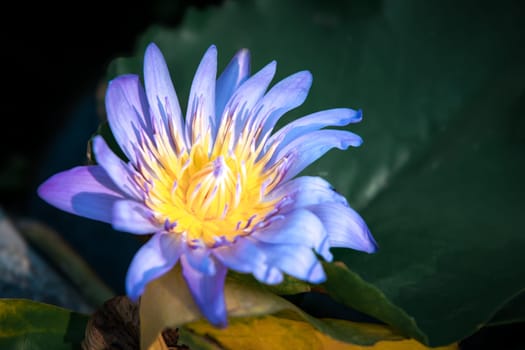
[[217, 188]]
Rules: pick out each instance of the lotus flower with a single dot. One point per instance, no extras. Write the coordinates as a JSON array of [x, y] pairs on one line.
[[217, 189]]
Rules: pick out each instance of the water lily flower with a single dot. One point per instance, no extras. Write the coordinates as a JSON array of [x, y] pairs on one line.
[[217, 190]]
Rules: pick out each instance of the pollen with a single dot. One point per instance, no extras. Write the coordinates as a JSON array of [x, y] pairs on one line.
[[209, 194]]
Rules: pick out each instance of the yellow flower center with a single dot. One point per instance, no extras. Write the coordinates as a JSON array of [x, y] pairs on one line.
[[210, 194]]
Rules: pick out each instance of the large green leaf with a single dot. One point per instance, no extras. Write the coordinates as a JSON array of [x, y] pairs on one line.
[[449, 225], [346, 287], [31, 325], [439, 178], [512, 312]]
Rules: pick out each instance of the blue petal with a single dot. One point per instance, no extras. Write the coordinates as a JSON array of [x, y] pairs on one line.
[[252, 90], [161, 94], [313, 122], [268, 275], [299, 227], [345, 227], [200, 115], [207, 291], [306, 149], [133, 217], [241, 104], [120, 172], [201, 260], [127, 112], [304, 191], [241, 256], [295, 260], [284, 96], [156, 257], [246, 256], [85, 191], [235, 73]]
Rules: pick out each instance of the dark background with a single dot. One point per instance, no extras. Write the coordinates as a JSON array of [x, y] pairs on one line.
[[54, 58], [55, 63]]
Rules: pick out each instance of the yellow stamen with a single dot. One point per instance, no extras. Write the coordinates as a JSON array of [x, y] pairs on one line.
[[209, 193]]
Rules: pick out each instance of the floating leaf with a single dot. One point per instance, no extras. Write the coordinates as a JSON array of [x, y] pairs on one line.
[[27, 324], [512, 312], [272, 331], [349, 289], [290, 285], [275, 332], [453, 263]]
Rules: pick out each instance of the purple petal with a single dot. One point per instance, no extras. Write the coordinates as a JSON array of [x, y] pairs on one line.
[[156, 257], [207, 291], [304, 191], [345, 227], [246, 97], [245, 256], [200, 116], [299, 227], [133, 217], [253, 89], [241, 256], [161, 94], [85, 191], [127, 112], [296, 260], [306, 149], [268, 275], [201, 260], [313, 122], [284, 96], [120, 172], [235, 73]]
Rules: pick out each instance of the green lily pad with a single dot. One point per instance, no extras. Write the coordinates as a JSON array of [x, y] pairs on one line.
[[346, 287], [33, 325], [449, 225], [439, 178], [512, 312], [289, 286]]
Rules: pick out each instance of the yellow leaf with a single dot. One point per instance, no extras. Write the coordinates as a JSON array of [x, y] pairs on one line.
[[272, 332], [261, 333], [407, 344], [159, 344], [167, 302]]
